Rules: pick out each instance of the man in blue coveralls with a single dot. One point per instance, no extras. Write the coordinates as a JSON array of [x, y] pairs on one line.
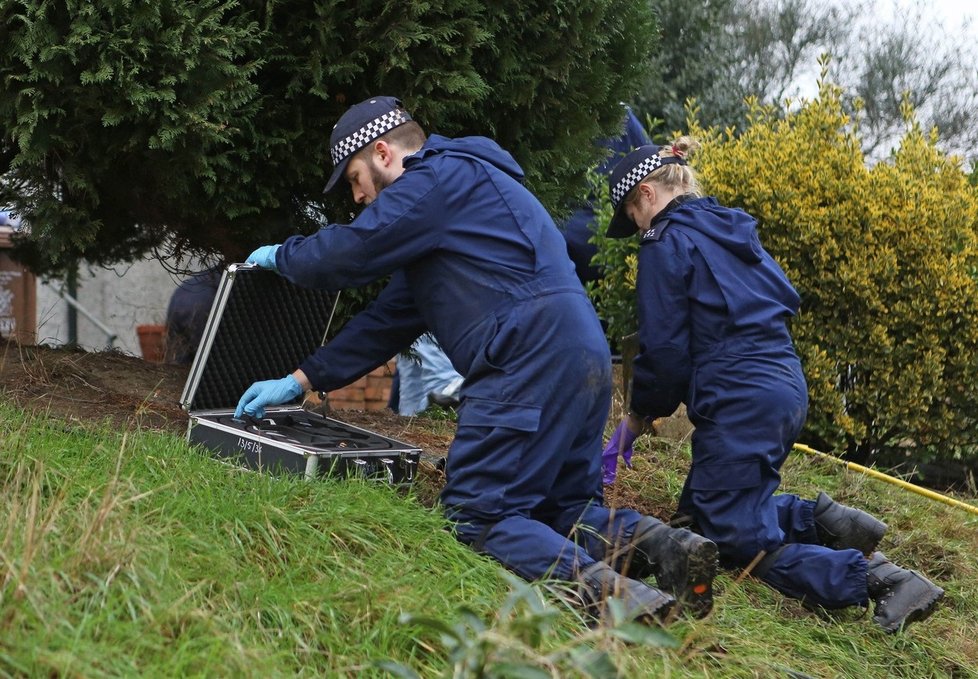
[[476, 260]]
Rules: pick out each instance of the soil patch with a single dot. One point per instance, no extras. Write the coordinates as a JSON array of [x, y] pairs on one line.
[[93, 387], [127, 392]]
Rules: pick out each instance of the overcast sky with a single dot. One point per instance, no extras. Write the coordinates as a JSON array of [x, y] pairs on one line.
[[954, 15], [958, 19]]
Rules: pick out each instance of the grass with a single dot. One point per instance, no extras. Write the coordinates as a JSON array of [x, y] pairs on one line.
[[130, 554], [126, 553]]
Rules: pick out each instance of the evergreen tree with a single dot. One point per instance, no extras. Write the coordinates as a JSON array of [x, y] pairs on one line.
[[202, 127]]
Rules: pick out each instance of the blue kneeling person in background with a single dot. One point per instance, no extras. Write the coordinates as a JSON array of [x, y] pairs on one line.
[[186, 315], [712, 309], [477, 261], [580, 226]]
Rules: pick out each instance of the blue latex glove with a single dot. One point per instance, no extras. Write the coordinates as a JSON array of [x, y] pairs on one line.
[[620, 444], [264, 257], [268, 393]]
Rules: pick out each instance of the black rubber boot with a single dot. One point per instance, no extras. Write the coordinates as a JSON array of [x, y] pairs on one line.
[[842, 527], [901, 596], [642, 603], [683, 563]]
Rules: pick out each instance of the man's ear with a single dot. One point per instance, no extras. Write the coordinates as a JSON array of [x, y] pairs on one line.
[[384, 152]]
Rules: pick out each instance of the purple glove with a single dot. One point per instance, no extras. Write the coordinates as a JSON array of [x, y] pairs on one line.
[[621, 443]]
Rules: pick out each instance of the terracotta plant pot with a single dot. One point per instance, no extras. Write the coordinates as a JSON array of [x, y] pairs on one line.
[[151, 341]]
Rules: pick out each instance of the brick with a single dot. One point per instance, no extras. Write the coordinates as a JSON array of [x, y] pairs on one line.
[[373, 393], [374, 388]]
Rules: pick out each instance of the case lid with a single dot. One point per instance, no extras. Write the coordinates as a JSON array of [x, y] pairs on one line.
[[260, 327]]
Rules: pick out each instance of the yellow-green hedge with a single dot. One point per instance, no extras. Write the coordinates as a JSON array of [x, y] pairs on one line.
[[885, 259]]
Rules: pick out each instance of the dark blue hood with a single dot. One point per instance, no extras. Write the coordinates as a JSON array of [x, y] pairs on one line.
[[733, 271], [481, 148], [732, 229]]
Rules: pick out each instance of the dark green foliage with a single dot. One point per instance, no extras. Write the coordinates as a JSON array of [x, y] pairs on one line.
[[613, 295], [119, 116], [203, 127]]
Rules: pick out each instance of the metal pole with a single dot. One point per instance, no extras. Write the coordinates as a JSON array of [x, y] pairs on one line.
[[74, 305], [71, 282], [312, 467], [890, 479]]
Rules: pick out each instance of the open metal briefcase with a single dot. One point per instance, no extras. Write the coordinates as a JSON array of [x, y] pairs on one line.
[[261, 327]]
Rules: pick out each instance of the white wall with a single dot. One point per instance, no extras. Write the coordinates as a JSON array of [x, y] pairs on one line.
[[120, 298]]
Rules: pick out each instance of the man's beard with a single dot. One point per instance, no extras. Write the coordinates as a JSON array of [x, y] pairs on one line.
[[379, 181]]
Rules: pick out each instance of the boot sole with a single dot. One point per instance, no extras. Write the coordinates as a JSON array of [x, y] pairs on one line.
[[696, 593], [664, 615], [916, 615]]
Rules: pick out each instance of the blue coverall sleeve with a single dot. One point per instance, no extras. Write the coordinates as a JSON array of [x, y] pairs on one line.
[[396, 228], [634, 132], [663, 367], [387, 326]]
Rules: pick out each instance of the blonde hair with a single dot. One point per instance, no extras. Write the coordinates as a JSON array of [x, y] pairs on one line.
[[673, 175]]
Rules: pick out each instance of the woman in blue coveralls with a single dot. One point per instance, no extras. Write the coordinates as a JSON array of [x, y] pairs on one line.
[[712, 312], [476, 261]]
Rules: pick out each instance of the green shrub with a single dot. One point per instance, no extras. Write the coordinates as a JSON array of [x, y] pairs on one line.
[[614, 294], [884, 259]]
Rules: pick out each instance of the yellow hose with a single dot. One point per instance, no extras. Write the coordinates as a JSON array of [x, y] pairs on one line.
[[891, 479]]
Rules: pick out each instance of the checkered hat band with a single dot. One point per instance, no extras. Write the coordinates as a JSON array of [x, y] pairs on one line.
[[634, 176], [366, 134]]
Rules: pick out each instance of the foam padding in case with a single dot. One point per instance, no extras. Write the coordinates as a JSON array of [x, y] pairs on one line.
[[267, 327]]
